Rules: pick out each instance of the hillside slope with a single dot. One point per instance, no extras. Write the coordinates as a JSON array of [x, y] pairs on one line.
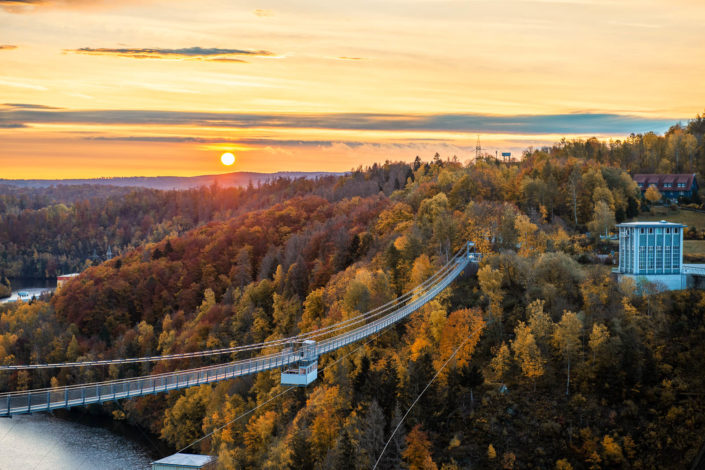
[[565, 369]]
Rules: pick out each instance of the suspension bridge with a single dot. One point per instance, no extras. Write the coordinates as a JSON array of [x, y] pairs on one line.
[[297, 356]]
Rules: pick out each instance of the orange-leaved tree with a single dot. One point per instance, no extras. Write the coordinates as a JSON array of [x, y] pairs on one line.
[[417, 454]]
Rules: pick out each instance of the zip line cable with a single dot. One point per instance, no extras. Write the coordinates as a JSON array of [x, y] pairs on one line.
[[236, 419], [374, 337], [401, 421], [279, 394]]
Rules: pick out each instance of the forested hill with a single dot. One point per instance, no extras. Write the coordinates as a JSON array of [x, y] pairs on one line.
[[235, 179], [680, 150], [49, 231], [566, 369]]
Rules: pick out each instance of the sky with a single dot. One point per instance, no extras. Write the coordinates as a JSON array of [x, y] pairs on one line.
[[92, 88]]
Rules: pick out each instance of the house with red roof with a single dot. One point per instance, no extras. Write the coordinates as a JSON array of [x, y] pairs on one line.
[[672, 186]]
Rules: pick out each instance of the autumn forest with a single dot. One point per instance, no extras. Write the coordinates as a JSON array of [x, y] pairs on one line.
[[561, 366]]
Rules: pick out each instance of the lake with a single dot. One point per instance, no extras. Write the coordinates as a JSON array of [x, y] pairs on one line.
[[42, 441], [34, 287]]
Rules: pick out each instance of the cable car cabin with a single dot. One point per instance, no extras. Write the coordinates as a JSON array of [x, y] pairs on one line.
[[473, 256], [305, 370]]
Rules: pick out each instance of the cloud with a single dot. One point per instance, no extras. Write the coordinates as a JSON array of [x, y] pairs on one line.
[[635, 25], [575, 123], [23, 6], [201, 140], [262, 12], [27, 6], [28, 86], [7, 47], [12, 125], [189, 53], [27, 106], [350, 58]]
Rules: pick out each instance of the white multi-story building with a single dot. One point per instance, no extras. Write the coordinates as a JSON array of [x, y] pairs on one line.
[[652, 251]]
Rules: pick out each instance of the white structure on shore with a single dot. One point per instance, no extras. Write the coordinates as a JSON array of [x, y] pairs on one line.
[[653, 252], [181, 461]]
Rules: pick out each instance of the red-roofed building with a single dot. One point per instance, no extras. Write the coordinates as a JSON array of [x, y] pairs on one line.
[[63, 279], [671, 186]]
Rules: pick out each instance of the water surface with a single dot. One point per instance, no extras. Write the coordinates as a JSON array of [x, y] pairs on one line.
[[42, 441], [34, 287]]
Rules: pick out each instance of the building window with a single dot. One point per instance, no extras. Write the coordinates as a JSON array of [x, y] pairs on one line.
[[667, 251], [676, 259], [675, 230], [681, 185], [668, 230], [650, 259], [666, 185]]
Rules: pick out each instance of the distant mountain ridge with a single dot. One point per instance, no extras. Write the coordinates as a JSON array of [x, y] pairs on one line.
[[174, 182]]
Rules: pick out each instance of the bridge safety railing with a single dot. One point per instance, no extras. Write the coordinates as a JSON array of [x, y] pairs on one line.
[[84, 394]]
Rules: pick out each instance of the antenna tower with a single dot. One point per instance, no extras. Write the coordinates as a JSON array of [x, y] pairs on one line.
[[478, 149]]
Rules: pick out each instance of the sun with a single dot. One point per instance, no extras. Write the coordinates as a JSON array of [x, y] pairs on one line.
[[227, 158]]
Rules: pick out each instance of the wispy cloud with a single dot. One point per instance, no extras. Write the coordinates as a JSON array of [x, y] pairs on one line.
[[27, 106], [262, 12], [163, 88], [578, 123], [29, 86], [7, 47], [202, 140], [27, 6], [631, 24], [349, 58], [188, 53], [23, 6]]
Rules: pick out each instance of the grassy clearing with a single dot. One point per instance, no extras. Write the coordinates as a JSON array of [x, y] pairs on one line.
[[689, 218], [694, 247]]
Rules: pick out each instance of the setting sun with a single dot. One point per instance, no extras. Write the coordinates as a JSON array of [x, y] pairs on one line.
[[227, 159]]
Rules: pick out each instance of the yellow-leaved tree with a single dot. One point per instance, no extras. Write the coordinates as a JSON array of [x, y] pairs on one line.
[[501, 362], [602, 219], [491, 284], [566, 337], [527, 353], [529, 236], [652, 194]]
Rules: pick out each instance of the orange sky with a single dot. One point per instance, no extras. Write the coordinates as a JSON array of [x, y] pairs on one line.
[[103, 88]]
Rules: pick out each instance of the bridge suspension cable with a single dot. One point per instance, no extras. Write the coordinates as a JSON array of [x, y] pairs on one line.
[[277, 395], [314, 334], [401, 421], [98, 392]]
